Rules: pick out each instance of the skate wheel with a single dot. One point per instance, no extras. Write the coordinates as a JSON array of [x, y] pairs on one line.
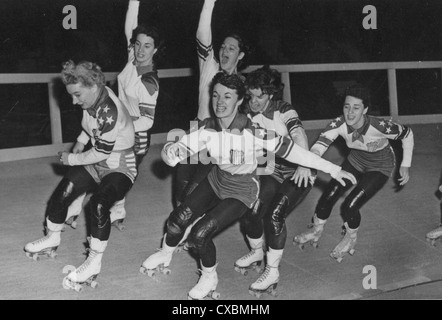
[[215, 295], [352, 252], [35, 257], [273, 293], [142, 270], [255, 294], [150, 273], [74, 225], [28, 255], [301, 247], [237, 269], [244, 272], [94, 284], [78, 288], [53, 254], [166, 271]]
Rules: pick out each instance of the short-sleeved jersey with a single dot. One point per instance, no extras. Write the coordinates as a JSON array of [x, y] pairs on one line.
[[370, 148], [109, 127], [138, 87], [281, 117]]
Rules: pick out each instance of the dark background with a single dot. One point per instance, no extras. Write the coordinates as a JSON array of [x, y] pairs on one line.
[[33, 40]]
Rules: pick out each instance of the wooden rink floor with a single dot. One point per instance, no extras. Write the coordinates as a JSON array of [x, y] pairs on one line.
[[391, 238]]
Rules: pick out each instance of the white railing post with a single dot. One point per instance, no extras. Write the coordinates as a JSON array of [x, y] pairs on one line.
[[392, 93], [287, 95], [55, 115]]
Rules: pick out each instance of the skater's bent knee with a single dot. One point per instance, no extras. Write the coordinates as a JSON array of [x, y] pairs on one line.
[[202, 234]]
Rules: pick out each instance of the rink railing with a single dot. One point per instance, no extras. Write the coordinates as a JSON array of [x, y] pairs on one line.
[[55, 115]]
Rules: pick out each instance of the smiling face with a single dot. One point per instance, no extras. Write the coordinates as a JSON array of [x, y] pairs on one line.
[[258, 100], [144, 49], [229, 55], [81, 95], [225, 102], [354, 111]]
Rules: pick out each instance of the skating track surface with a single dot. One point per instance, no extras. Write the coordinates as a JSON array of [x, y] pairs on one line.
[[391, 239]]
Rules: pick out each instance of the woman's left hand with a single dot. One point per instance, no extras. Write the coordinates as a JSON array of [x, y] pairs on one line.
[[405, 175], [301, 175]]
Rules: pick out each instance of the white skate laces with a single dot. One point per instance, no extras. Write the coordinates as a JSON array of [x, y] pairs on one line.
[[90, 267], [51, 240], [346, 245]]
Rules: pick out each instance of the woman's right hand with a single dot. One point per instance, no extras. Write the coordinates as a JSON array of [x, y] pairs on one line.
[[345, 175]]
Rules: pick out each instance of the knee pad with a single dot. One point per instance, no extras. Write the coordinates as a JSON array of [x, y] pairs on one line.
[[100, 204], [201, 234], [60, 200], [351, 205], [179, 220], [279, 213], [328, 200]]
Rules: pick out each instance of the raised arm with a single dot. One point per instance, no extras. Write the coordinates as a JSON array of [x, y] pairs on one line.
[[131, 19], [204, 32]]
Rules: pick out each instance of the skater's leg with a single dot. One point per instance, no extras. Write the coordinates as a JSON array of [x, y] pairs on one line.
[[225, 213], [287, 198], [112, 188], [369, 184], [333, 192]]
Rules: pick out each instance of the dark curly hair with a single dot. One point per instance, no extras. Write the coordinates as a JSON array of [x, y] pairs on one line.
[[231, 81], [85, 72], [152, 32], [266, 79], [361, 92]]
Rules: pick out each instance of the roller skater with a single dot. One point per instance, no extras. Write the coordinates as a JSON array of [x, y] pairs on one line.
[[253, 259], [346, 245], [436, 234], [47, 245], [231, 188], [206, 286], [283, 184], [159, 261], [87, 273], [107, 170], [312, 235], [268, 281], [371, 160]]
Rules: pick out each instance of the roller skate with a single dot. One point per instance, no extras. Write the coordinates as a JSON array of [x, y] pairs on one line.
[[346, 245], [312, 235], [205, 288], [159, 261], [253, 259], [118, 213], [87, 273], [268, 281], [434, 235], [74, 211], [47, 245]]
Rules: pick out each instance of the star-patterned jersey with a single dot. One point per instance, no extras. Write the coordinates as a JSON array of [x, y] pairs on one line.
[[138, 87], [107, 124], [281, 117], [370, 147], [236, 150]]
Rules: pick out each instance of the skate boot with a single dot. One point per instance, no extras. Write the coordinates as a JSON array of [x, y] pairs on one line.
[[253, 259], [74, 211], [346, 245], [268, 281], [118, 213], [312, 235], [158, 261], [434, 235], [205, 288], [47, 245], [88, 271]]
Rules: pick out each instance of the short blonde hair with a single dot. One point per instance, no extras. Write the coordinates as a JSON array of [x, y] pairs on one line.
[[85, 72]]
